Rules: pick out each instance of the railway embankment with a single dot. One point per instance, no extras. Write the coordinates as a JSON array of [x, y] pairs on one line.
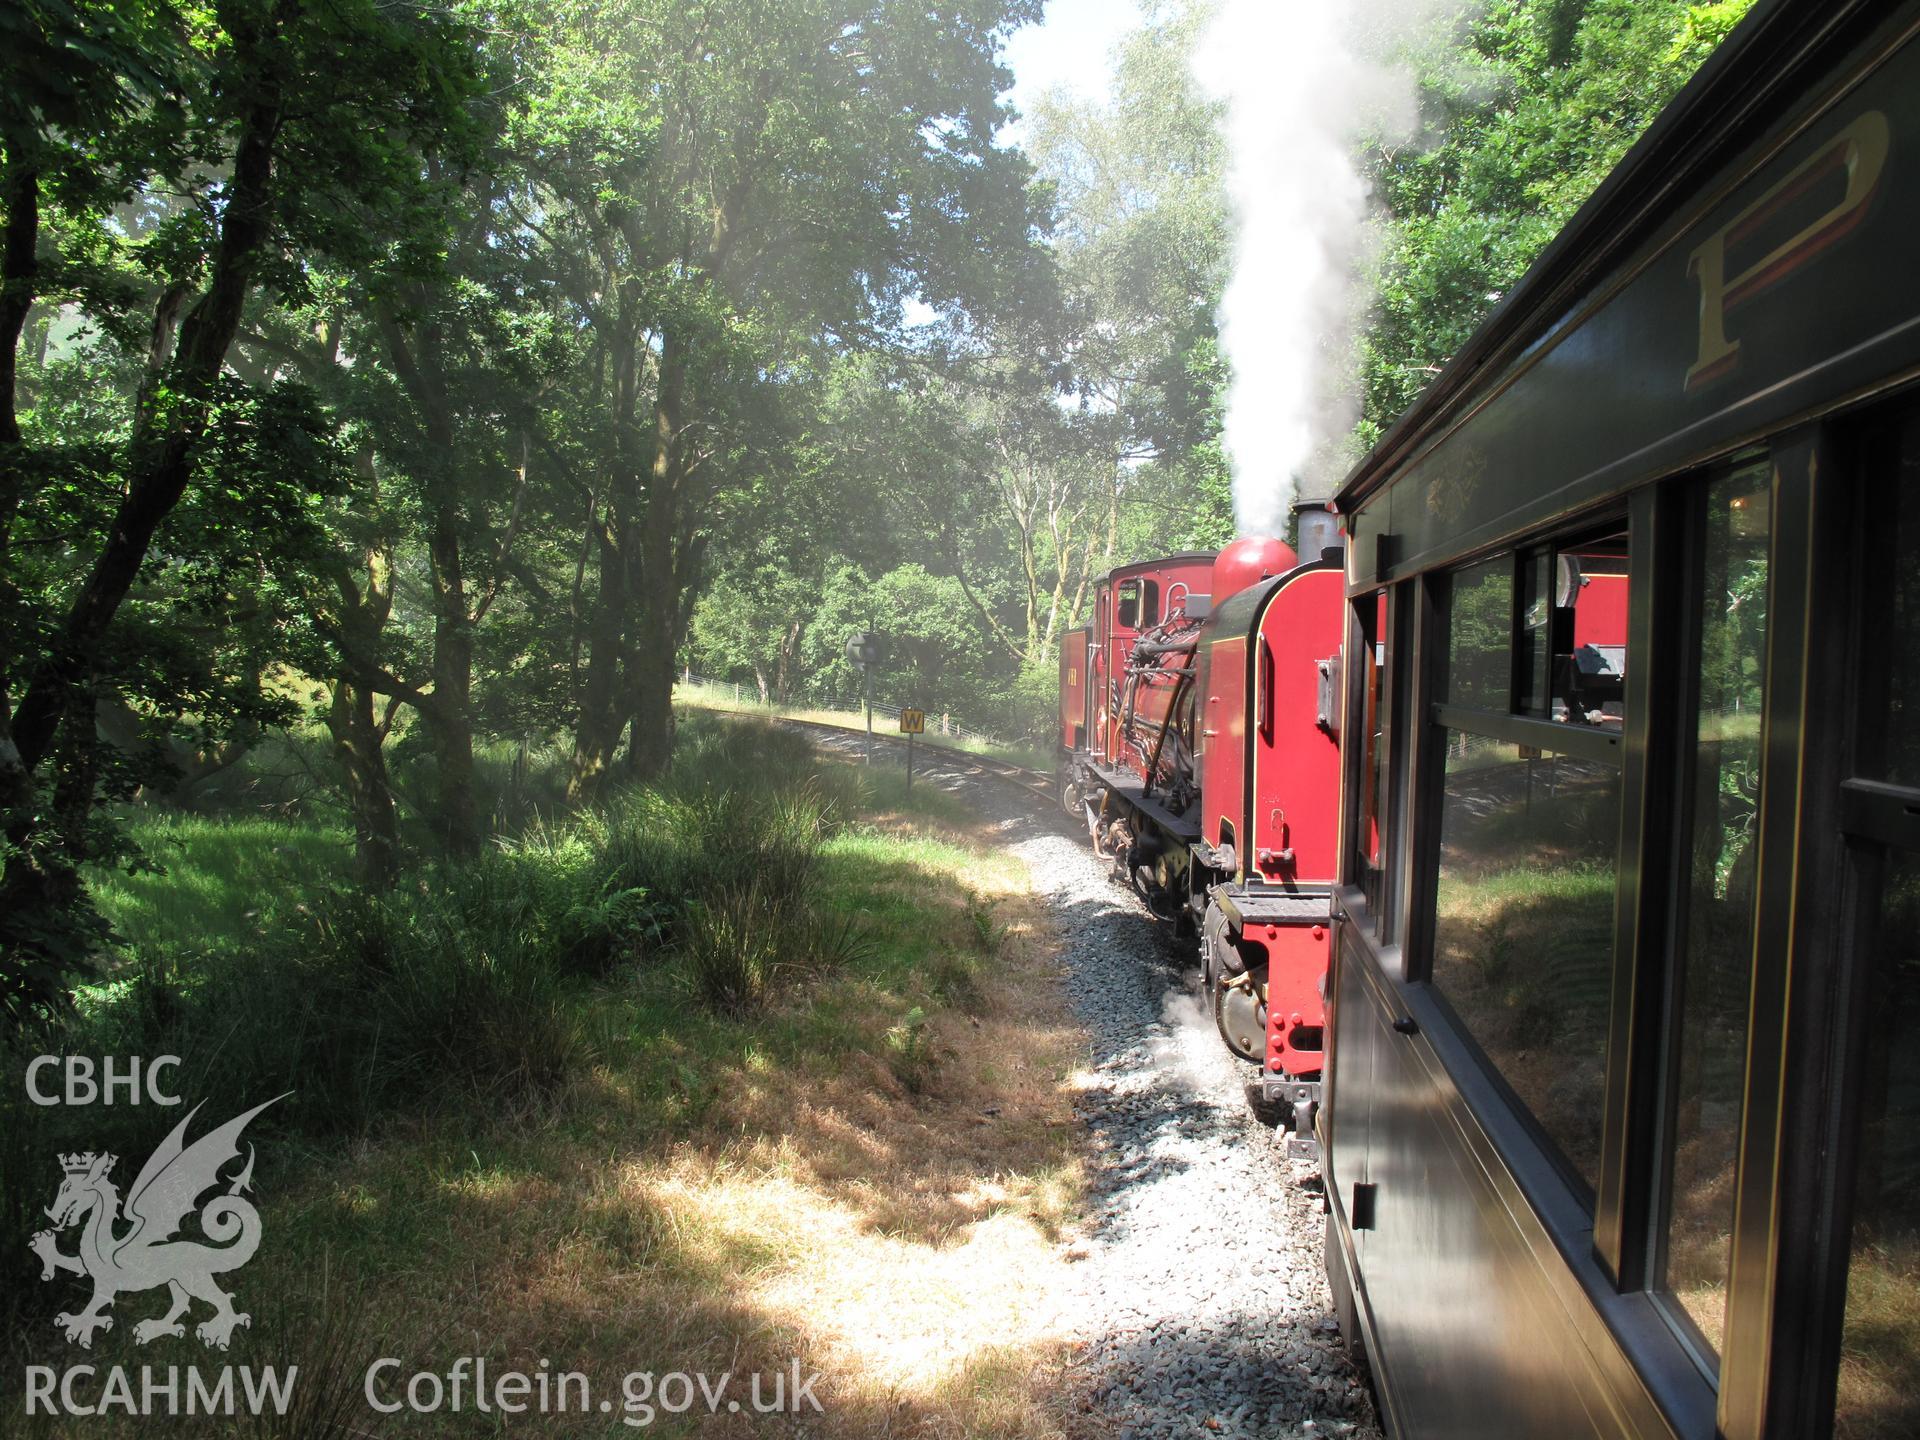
[[749, 1084]]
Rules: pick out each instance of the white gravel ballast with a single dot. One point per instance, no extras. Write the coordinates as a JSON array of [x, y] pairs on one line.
[[1201, 1296]]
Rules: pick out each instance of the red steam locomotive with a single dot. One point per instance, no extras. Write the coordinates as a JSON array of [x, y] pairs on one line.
[[1200, 721]]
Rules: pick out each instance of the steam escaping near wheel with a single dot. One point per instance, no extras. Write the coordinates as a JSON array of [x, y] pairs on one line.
[[1305, 88]]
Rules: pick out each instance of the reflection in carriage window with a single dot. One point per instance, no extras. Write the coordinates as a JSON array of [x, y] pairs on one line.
[[1879, 1390], [1710, 1038], [1570, 655], [1589, 633], [1373, 764], [1534, 646], [1523, 934], [1480, 636]]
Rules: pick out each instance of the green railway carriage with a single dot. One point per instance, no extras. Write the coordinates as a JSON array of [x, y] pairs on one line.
[[1622, 1101]]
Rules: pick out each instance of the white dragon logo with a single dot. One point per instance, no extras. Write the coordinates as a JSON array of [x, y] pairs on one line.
[[146, 1254]]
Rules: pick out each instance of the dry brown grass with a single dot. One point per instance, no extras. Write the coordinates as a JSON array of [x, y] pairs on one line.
[[1879, 1390], [885, 1214]]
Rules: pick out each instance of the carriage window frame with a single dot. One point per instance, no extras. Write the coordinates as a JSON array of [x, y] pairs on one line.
[[1674, 895], [1378, 620], [1878, 817], [1500, 719]]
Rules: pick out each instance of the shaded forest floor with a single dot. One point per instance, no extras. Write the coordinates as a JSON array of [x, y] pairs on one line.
[[609, 1156]]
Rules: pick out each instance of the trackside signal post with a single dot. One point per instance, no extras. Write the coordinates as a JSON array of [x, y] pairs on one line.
[[912, 723], [863, 649]]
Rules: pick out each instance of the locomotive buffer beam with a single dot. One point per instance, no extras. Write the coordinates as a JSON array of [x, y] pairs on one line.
[[1300, 1099]]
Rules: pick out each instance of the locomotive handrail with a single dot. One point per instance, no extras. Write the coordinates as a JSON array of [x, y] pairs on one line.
[[1159, 743]]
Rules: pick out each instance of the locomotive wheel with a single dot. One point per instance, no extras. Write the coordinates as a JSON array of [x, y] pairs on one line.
[[1241, 1015], [1233, 990]]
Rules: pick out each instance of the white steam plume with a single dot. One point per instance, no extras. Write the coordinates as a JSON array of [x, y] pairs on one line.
[[1304, 81]]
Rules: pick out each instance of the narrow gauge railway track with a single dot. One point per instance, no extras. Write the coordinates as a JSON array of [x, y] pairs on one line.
[[943, 757], [1180, 1171]]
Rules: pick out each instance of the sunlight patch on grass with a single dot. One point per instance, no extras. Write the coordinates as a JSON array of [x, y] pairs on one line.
[[222, 880]]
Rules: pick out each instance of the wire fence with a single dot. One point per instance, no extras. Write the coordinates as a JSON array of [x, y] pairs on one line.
[[886, 711]]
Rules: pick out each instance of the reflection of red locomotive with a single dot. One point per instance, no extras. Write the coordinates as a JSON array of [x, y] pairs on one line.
[[1200, 723]]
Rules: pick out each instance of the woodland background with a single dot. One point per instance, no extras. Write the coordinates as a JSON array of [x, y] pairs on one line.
[[395, 398]]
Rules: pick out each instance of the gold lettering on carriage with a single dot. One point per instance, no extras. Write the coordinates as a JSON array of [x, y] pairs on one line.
[[1859, 153]]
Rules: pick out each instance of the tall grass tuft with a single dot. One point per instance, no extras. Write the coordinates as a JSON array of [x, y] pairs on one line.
[[330, 1344], [752, 922], [734, 947], [466, 982]]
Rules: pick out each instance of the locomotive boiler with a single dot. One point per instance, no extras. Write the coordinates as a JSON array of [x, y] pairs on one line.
[[1200, 746]]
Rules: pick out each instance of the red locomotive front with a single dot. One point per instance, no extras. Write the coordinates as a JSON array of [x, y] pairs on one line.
[[1209, 771], [1270, 788]]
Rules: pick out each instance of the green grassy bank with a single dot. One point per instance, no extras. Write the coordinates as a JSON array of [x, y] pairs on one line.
[[692, 1081]]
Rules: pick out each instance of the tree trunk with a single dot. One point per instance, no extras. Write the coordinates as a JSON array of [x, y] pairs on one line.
[[20, 194], [651, 685], [597, 732], [169, 424], [358, 739], [665, 583], [783, 671], [19, 274], [449, 723], [357, 749]]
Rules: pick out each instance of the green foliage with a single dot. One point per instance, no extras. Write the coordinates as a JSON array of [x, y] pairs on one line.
[[1031, 709], [936, 653], [534, 352], [1525, 116], [910, 1051]]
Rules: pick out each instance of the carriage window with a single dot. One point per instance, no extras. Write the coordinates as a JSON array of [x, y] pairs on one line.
[[1903, 622], [1879, 1389], [1480, 636], [1373, 761], [1878, 1395], [1710, 1038], [1523, 931], [1528, 853]]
